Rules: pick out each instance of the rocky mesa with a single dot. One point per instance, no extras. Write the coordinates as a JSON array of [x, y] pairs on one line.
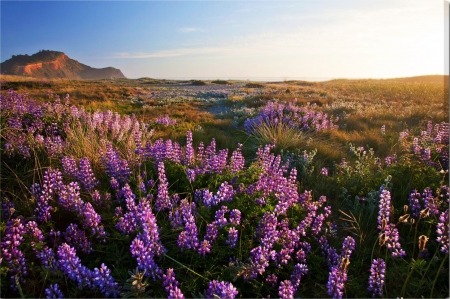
[[53, 65]]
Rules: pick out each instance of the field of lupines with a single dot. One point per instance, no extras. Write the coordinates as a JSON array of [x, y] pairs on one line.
[[95, 205]]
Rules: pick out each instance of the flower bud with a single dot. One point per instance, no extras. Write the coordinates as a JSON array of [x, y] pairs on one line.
[[424, 213], [404, 218], [423, 242]]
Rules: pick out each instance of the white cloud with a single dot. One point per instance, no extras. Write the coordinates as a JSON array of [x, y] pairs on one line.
[[190, 29]]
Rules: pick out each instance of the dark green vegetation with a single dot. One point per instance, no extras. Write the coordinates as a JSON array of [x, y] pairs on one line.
[[347, 165]]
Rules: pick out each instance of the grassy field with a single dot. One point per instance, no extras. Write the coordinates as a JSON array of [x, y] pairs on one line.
[[109, 187]]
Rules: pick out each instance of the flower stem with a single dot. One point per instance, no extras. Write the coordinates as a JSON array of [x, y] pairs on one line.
[[172, 259], [437, 275]]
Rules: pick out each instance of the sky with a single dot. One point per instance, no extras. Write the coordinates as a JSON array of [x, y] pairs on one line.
[[308, 39]]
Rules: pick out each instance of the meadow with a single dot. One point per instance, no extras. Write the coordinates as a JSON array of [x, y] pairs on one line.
[[231, 189]]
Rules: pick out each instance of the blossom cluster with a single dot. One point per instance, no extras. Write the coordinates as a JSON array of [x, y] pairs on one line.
[[303, 118]]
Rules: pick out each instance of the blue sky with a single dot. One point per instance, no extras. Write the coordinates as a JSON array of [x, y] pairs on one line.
[[234, 39]]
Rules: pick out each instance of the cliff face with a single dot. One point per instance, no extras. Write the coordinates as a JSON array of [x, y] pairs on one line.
[[53, 65]]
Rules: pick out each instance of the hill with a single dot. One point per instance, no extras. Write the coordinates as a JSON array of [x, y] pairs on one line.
[[53, 65]]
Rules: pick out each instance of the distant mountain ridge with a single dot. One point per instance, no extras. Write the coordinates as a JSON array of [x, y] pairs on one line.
[[53, 65]]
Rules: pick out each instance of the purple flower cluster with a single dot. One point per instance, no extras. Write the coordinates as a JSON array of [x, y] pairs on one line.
[[237, 161], [146, 245], [53, 291], [116, 167], [430, 202], [7, 208], [170, 284], [388, 231], [77, 238], [70, 264], [221, 289], [442, 232], [232, 237], [35, 233], [376, 279], [165, 120], [338, 274], [70, 200], [52, 183], [190, 156], [163, 199], [297, 274], [432, 145], [272, 182], [225, 193], [13, 256], [303, 118], [286, 290], [188, 238], [414, 203]]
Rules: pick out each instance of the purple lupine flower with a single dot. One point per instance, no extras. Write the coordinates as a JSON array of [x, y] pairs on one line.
[[414, 203], [347, 247], [324, 171], [235, 217], [170, 284], [35, 233], [191, 175], [211, 232], [189, 237], [102, 279], [376, 279], [69, 197], [286, 290], [115, 166], [53, 291], [272, 279], [14, 257], [163, 199], [430, 202], [51, 186], [385, 208], [165, 120], [190, 158], [259, 259], [392, 241], [69, 263], [47, 258], [219, 217], [91, 220], [86, 175], [383, 130], [114, 183], [54, 145], [69, 166], [304, 249], [77, 238], [8, 206], [221, 289], [296, 276], [232, 237], [237, 161], [442, 232], [338, 274], [147, 244], [204, 248], [207, 198], [336, 280], [267, 230]]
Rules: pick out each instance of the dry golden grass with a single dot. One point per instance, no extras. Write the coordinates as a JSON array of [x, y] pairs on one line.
[[362, 105]]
